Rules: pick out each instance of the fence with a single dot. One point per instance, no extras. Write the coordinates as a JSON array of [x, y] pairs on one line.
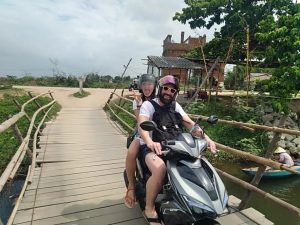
[[15, 162]]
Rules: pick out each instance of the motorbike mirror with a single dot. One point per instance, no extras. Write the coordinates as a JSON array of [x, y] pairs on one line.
[[148, 125], [212, 119]]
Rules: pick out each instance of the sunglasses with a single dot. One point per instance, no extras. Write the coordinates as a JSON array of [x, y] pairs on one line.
[[172, 90]]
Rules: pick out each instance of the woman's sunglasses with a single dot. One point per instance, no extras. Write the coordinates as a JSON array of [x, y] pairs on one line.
[[172, 90]]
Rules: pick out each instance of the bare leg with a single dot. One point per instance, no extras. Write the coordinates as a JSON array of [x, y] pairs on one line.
[[130, 170], [157, 168]]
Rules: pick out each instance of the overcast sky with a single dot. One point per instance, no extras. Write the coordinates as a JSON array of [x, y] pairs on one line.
[[83, 36]]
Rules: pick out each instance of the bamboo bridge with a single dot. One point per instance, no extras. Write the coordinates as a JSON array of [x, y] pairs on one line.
[[76, 175]]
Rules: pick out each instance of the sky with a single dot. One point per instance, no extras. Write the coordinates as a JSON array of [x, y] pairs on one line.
[[78, 37]]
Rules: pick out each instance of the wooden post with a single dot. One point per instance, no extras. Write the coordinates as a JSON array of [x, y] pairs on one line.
[[110, 97], [247, 64], [203, 81], [17, 133], [255, 181], [26, 115], [37, 103]]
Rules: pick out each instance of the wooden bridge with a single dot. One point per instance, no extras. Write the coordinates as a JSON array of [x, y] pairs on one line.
[[79, 177]]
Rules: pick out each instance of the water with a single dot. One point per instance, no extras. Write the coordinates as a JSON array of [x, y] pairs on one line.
[[287, 189], [8, 195]]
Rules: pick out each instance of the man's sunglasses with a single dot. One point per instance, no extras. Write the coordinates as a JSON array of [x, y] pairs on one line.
[[172, 90]]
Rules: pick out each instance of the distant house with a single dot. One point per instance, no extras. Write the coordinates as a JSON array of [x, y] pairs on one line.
[[259, 76], [173, 62], [178, 67]]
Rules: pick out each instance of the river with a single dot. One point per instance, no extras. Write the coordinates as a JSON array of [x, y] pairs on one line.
[[287, 189], [8, 195]]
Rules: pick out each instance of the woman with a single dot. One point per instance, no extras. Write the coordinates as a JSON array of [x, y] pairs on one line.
[[284, 157], [147, 85]]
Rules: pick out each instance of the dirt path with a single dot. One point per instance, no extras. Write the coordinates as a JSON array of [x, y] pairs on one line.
[[64, 96]]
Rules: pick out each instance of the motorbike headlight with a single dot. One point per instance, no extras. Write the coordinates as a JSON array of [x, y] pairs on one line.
[[199, 208]]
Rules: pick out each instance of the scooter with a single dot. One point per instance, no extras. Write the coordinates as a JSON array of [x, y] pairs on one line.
[[192, 191]]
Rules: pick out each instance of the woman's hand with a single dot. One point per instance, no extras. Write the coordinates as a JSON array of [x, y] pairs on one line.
[[137, 96]]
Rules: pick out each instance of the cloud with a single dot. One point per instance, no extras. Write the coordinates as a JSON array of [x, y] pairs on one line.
[[84, 36]]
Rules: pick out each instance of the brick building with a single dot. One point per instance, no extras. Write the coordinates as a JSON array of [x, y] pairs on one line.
[[172, 49], [173, 62]]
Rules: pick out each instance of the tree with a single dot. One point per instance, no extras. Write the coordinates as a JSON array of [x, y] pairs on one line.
[[274, 36], [281, 36]]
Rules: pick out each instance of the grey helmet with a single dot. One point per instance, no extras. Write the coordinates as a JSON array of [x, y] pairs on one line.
[[146, 78]]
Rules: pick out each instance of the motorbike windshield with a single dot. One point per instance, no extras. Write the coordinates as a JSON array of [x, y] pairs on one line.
[[201, 176]]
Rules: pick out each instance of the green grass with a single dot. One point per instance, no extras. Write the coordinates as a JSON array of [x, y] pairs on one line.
[[81, 95], [8, 142]]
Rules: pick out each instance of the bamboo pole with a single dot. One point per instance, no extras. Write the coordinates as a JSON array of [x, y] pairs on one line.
[[17, 165], [256, 190], [13, 214], [252, 125], [116, 85], [124, 110], [255, 181], [130, 100], [33, 161], [5, 175], [11, 165], [36, 102], [18, 133], [203, 82], [26, 115], [122, 121], [256, 159], [11, 121]]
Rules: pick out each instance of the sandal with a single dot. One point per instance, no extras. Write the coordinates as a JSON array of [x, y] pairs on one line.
[[151, 220], [129, 201]]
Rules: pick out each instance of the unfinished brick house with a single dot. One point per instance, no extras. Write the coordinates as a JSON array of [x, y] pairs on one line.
[[173, 62]]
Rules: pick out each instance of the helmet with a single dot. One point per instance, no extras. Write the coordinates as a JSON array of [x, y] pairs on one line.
[[146, 78], [279, 150], [168, 79]]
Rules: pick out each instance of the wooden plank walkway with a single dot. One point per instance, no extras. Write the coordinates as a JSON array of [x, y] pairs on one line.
[[80, 180]]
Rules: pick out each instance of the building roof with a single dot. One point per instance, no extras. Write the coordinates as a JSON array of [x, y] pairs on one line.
[[172, 62]]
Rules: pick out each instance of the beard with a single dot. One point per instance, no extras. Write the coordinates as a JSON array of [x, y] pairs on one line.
[[163, 99]]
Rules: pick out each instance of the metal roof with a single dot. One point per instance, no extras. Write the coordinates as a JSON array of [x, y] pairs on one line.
[[172, 62]]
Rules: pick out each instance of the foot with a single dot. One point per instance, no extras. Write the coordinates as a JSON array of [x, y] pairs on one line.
[[151, 217], [129, 199]]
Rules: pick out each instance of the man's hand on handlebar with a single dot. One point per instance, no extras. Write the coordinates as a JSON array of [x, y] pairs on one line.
[[196, 131], [155, 147], [211, 145]]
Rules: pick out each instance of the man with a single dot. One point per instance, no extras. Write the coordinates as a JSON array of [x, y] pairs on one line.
[[284, 157], [168, 88]]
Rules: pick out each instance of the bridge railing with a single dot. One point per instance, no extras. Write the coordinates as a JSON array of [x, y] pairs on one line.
[[250, 187], [15, 162]]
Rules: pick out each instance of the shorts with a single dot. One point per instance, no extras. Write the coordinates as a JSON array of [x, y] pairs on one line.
[[144, 150]]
